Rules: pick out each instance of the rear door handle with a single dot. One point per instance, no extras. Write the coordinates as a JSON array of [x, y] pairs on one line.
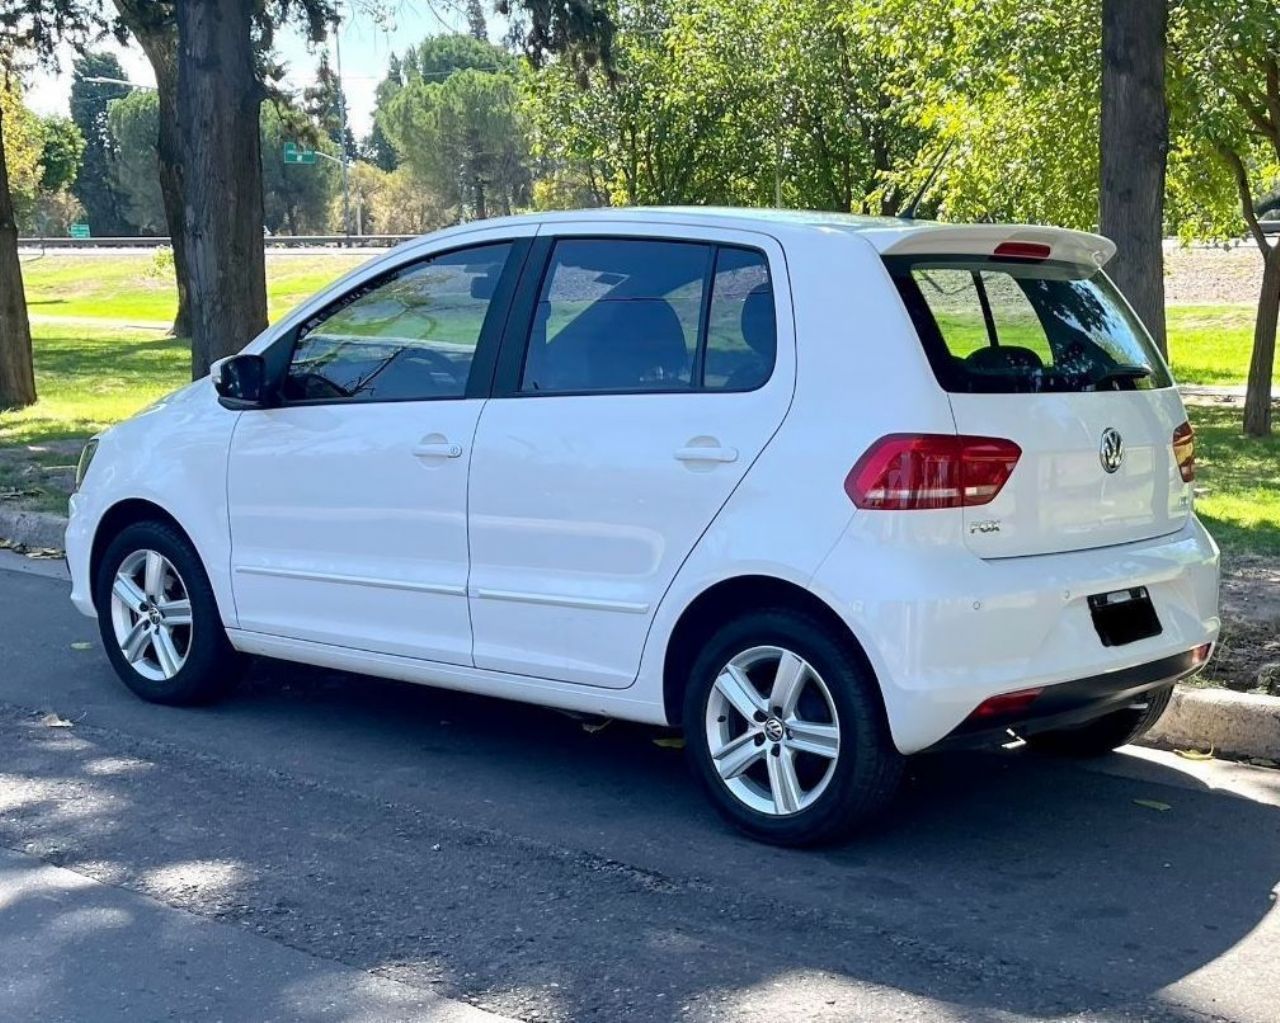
[[707, 454]]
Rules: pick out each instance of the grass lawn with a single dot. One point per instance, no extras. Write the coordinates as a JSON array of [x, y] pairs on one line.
[[1237, 482], [140, 287]]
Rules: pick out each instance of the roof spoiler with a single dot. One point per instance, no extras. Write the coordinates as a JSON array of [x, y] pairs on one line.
[[924, 239]]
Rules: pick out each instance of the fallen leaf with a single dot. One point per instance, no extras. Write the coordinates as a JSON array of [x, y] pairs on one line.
[[1194, 754], [1153, 804], [82, 646], [669, 743], [1263, 762], [43, 552], [52, 720], [592, 727]]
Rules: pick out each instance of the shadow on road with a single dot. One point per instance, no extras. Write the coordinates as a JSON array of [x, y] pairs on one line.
[[500, 853]]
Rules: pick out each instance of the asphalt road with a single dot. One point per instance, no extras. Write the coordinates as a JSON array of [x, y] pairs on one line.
[[325, 846]]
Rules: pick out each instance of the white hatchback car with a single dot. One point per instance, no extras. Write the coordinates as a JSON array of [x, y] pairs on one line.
[[823, 490]]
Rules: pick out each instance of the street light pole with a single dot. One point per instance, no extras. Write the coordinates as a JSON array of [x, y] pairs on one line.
[[342, 131]]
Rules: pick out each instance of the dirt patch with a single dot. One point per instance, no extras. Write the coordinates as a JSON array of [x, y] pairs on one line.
[[1248, 654], [1211, 275]]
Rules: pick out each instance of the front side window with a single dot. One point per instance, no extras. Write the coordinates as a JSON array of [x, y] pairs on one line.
[[994, 327], [410, 337], [620, 315]]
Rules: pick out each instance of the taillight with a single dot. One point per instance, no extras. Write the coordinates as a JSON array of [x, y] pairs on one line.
[[904, 471], [1184, 450]]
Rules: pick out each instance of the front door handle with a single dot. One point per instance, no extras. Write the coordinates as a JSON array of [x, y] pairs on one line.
[[708, 454], [437, 446]]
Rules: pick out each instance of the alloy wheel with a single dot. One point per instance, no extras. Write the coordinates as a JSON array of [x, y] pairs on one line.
[[772, 730], [151, 615]]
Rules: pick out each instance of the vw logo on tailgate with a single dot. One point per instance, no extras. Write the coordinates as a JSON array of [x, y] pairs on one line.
[[1111, 450]]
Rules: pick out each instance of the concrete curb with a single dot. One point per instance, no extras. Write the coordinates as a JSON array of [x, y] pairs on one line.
[[1235, 724], [32, 528]]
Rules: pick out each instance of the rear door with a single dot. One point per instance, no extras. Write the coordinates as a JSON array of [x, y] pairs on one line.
[[642, 373], [1048, 355]]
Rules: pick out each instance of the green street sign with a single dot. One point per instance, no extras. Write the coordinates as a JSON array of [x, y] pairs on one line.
[[79, 231], [294, 153]]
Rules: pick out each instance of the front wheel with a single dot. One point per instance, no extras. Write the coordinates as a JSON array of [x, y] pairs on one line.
[[159, 619], [785, 730], [1108, 733]]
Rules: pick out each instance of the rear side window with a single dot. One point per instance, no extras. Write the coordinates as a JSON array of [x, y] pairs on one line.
[[1006, 327], [619, 315]]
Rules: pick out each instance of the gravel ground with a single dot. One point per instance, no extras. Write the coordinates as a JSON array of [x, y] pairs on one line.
[[1212, 275]]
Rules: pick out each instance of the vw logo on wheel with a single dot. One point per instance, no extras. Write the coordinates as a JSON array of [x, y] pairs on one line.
[[1111, 450]]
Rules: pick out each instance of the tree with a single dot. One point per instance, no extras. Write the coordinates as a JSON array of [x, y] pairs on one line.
[[1134, 146], [134, 124], [1227, 150], [61, 154], [376, 147], [153, 24], [29, 30], [296, 197], [462, 137], [104, 207], [476, 25], [17, 375], [326, 106]]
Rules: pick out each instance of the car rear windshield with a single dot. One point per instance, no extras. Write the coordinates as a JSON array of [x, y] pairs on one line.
[[1000, 327]]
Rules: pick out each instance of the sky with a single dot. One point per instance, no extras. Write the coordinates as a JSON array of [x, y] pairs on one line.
[[366, 44]]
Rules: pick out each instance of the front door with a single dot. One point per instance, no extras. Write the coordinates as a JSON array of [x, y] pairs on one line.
[[648, 378], [348, 501]]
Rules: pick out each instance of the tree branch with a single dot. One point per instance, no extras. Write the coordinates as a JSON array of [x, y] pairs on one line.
[[1236, 164], [1273, 102]]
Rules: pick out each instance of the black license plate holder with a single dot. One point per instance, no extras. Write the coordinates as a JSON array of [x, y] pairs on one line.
[[1124, 616]]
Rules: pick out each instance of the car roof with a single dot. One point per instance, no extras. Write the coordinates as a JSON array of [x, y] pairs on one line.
[[888, 235]]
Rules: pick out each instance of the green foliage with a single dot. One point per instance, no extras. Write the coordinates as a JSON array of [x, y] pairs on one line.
[[296, 197], [133, 123], [104, 206], [1225, 102], [326, 106], [62, 153], [460, 135], [23, 142]]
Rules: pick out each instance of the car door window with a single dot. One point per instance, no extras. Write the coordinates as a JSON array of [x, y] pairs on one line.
[[410, 337], [618, 315], [742, 329]]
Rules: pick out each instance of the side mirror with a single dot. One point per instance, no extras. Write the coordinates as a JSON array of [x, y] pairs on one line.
[[242, 382]]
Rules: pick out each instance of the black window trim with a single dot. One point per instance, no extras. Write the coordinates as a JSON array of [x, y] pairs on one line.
[[518, 333], [480, 375]]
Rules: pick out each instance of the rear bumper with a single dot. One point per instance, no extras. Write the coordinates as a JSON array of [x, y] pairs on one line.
[[945, 630], [1069, 704]]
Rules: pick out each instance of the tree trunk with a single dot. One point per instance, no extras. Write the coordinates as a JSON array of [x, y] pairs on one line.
[[17, 376], [218, 106], [157, 33], [1134, 143], [1257, 402]]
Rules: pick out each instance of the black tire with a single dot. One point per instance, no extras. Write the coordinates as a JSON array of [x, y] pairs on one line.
[[1105, 734], [868, 768], [212, 667]]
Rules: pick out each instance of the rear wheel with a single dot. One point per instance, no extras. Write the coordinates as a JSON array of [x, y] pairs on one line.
[[785, 730], [159, 620], [1108, 733]]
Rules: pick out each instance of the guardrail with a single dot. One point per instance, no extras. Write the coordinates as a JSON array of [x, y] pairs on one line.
[[275, 241]]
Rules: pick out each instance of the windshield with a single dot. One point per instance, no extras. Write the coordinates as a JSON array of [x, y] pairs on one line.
[[1005, 327]]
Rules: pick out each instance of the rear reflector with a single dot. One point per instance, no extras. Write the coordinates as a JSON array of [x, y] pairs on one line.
[[1184, 451], [1022, 250], [1006, 704], [913, 471]]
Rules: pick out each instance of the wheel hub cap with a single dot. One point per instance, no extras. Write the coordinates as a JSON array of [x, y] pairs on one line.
[[772, 730], [151, 615]]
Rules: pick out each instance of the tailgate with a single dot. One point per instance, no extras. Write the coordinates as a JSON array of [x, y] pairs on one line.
[[1072, 489]]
